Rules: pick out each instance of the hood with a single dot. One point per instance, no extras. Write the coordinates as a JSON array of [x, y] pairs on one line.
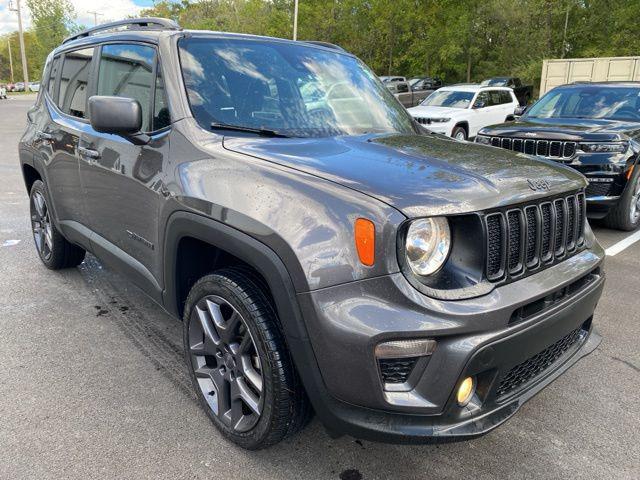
[[417, 174], [434, 112], [571, 129]]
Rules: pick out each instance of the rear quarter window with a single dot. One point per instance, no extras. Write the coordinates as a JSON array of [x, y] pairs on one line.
[[74, 82]]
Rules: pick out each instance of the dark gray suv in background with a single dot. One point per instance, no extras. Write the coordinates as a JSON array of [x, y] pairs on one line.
[[325, 252]]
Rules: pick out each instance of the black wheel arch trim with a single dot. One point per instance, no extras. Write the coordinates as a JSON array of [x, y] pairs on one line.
[[264, 260]]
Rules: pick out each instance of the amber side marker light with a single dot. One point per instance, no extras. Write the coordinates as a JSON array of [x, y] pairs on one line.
[[465, 391], [630, 172], [365, 235]]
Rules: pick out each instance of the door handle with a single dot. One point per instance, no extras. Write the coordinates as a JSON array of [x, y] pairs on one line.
[[88, 153]]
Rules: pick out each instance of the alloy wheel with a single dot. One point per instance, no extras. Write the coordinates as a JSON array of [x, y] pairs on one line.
[[41, 225], [634, 210], [226, 363]]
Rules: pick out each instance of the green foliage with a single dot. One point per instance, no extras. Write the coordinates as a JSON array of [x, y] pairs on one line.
[[458, 40]]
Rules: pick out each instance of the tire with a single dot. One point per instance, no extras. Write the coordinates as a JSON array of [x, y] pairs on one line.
[[53, 249], [625, 215], [459, 133], [239, 364]]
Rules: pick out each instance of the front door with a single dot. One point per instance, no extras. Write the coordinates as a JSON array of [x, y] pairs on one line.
[[121, 180]]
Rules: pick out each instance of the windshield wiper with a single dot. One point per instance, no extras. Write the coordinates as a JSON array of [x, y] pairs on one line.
[[265, 132]]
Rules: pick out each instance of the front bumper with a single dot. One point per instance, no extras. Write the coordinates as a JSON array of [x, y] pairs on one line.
[[476, 337]]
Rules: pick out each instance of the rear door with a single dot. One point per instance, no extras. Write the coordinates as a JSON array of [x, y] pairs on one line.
[[122, 181], [58, 134]]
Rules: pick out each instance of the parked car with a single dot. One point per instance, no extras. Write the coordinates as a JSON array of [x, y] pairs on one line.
[[336, 256], [407, 95], [524, 93], [391, 78], [425, 83], [18, 87], [34, 86], [459, 111], [10, 87], [3, 91], [594, 128]]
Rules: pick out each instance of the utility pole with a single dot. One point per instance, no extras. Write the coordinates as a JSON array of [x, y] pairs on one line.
[[295, 20], [23, 55], [10, 59], [95, 17], [564, 36]]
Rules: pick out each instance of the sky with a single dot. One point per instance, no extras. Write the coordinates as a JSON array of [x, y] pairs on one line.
[[111, 10]]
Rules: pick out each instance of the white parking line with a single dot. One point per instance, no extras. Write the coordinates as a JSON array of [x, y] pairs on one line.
[[622, 244]]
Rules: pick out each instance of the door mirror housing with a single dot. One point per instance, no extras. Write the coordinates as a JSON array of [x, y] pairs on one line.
[[520, 110], [118, 116]]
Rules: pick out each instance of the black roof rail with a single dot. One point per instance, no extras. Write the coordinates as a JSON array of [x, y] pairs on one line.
[[146, 23], [325, 44]]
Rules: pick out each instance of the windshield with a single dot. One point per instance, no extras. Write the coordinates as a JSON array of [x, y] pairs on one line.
[[449, 98], [295, 90], [589, 101]]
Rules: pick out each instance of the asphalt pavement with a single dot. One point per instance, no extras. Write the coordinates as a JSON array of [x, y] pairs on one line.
[[93, 384]]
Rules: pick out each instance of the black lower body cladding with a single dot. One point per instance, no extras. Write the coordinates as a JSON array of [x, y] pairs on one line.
[[512, 342]]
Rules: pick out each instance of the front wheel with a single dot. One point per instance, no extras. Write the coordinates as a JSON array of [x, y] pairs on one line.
[[240, 366], [626, 214], [459, 133]]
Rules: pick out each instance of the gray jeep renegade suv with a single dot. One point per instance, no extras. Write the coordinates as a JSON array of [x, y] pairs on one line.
[[324, 251]]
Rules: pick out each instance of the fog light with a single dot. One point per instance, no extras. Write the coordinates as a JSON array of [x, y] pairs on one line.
[[466, 390]]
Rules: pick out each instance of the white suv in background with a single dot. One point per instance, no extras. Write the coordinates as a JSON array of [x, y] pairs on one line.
[[459, 111]]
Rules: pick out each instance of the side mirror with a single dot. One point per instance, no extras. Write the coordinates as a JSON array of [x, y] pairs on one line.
[[520, 110], [479, 104], [116, 115]]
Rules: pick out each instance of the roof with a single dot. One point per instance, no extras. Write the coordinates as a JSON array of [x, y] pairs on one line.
[[471, 87], [152, 28], [625, 83]]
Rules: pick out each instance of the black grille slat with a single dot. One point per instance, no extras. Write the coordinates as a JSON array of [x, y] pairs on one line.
[[599, 189], [547, 223], [559, 234], [495, 242], [533, 236], [537, 364], [515, 238], [555, 149], [571, 223], [396, 370]]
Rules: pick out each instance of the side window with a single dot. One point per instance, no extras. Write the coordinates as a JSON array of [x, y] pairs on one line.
[[126, 70], [53, 75], [482, 98], [74, 80], [506, 97], [494, 98], [161, 117]]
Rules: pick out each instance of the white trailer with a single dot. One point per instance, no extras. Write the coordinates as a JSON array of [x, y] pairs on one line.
[[568, 70]]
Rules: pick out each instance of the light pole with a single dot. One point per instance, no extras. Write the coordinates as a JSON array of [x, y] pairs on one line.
[[23, 55], [10, 59], [95, 17], [295, 19]]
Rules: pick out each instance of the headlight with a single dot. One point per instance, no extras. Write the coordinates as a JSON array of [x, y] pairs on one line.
[[428, 244], [483, 139], [440, 120], [620, 147]]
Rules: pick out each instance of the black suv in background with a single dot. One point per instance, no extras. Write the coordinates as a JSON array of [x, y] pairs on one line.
[[594, 128], [322, 249]]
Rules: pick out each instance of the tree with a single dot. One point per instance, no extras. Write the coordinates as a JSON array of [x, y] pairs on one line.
[[52, 21]]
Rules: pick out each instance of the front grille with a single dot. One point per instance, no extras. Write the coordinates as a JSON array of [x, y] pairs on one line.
[[396, 370], [534, 366], [599, 189], [533, 236], [554, 149]]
